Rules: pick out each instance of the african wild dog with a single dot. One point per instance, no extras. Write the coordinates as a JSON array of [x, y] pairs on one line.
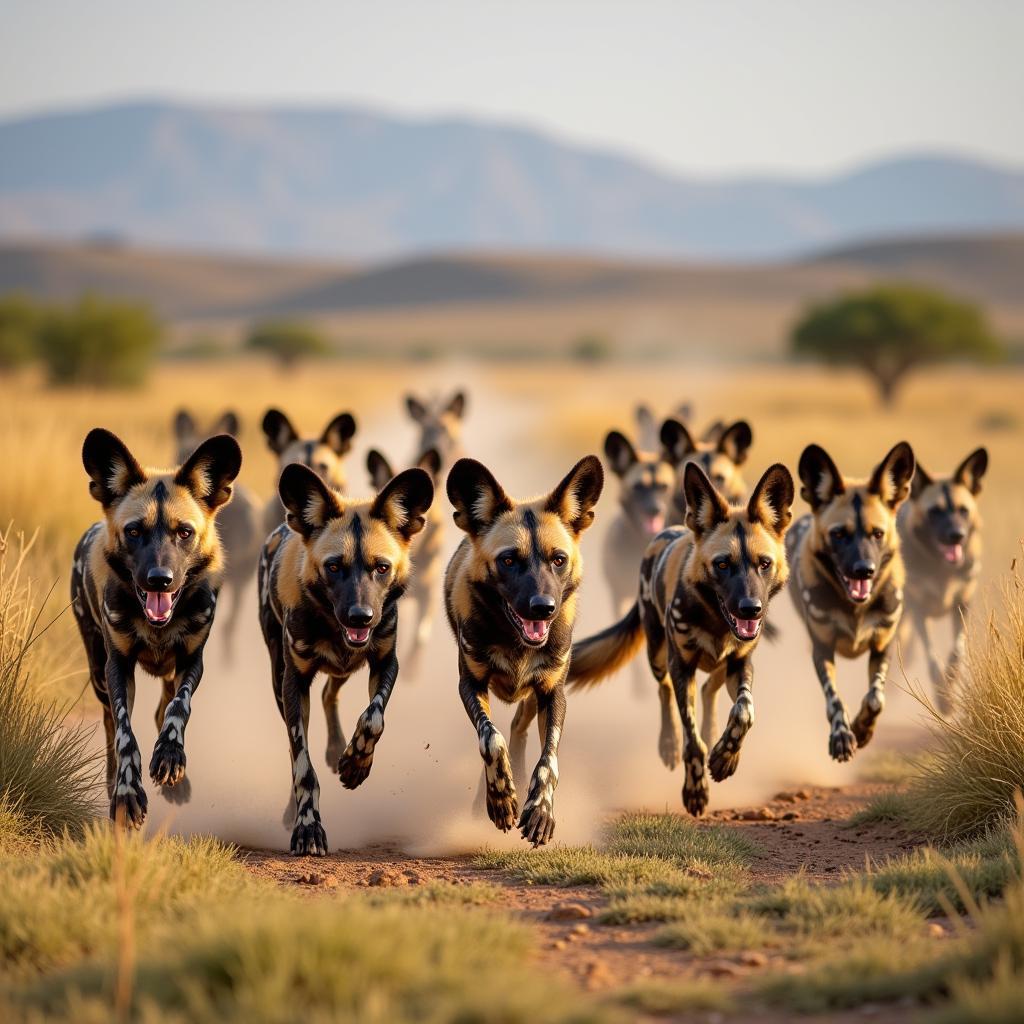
[[426, 546], [848, 579], [144, 590], [703, 597], [440, 424], [720, 453], [329, 583], [940, 534], [240, 523], [647, 424], [510, 595], [322, 454]]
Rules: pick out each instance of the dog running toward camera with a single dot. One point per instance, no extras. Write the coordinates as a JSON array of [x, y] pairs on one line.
[[144, 591], [703, 597], [329, 583], [848, 579], [510, 595], [940, 534]]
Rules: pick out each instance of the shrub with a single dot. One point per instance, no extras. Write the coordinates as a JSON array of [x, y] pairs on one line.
[[19, 322], [288, 342]]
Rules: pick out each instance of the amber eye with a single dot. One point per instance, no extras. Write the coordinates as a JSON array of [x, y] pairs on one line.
[[185, 532], [382, 568], [558, 561], [134, 532], [877, 534], [333, 567], [722, 564], [766, 564], [837, 532], [508, 561]]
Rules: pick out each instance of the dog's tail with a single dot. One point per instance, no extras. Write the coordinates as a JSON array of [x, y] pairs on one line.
[[772, 633], [603, 653]]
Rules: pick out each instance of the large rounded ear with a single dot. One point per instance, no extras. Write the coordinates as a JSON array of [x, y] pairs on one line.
[[228, 423], [379, 469], [646, 426], [113, 470], [279, 430], [457, 405], [705, 507], [477, 497], [430, 460], [821, 480], [309, 502], [771, 504], [620, 452], [417, 410], [735, 441], [713, 433], [676, 442], [972, 469], [184, 425], [573, 500], [338, 433], [892, 476], [921, 480], [404, 502], [210, 469]]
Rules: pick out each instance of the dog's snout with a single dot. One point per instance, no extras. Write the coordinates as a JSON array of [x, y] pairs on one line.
[[749, 608], [360, 615], [863, 570], [956, 536], [542, 606], [159, 578]]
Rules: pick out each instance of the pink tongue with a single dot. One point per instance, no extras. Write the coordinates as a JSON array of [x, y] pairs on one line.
[[747, 627], [358, 635], [158, 604], [535, 628], [953, 552], [860, 589], [655, 524]]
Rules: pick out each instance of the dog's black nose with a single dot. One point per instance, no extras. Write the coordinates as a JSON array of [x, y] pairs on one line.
[[541, 606], [360, 615], [863, 570], [749, 608], [956, 536], [159, 579]]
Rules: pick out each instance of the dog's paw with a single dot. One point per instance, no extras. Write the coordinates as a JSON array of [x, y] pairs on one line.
[[502, 802], [308, 837], [167, 766], [355, 764], [670, 748], [129, 803], [864, 726], [537, 823], [842, 744], [178, 794], [695, 786], [724, 759]]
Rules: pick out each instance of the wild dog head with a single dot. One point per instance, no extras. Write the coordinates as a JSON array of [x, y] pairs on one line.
[[527, 563], [381, 472], [188, 433], [645, 483], [440, 422], [719, 453], [944, 510], [356, 552], [854, 520], [739, 560], [323, 454], [161, 531]]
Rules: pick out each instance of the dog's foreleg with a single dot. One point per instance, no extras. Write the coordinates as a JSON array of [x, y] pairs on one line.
[[936, 671], [308, 836], [537, 822], [725, 756], [841, 741], [944, 696], [684, 685], [874, 699], [501, 800], [128, 801], [167, 766]]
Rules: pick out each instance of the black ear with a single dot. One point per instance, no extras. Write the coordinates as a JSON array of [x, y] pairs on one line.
[[417, 410], [676, 442], [430, 460], [228, 423], [573, 500], [457, 405], [646, 424], [404, 502], [772, 501], [735, 441], [972, 469], [309, 502], [892, 476], [279, 430], [920, 482], [112, 469], [620, 452], [379, 469], [338, 433], [705, 507], [209, 471], [714, 432], [184, 425], [821, 480], [477, 497]]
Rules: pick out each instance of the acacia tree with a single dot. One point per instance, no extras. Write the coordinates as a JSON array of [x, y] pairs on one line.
[[891, 330], [287, 341]]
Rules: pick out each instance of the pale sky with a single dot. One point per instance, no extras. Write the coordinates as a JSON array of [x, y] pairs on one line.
[[735, 86]]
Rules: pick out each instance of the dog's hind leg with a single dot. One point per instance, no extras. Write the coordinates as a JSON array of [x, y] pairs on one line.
[[335, 735], [526, 712], [725, 755], [944, 697], [670, 735], [709, 704]]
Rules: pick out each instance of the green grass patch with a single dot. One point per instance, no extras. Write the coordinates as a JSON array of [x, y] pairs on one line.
[[705, 931], [668, 998], [886, 808]]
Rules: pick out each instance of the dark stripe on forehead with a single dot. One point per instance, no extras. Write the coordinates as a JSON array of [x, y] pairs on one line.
[[948, 495], [858, 512], [357, 540], [705, 461], [530, 522], [309, 446], [741, 536]]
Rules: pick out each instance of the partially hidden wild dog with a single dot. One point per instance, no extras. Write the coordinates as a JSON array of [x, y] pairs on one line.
[[848, 579], [510, 594], [648, 424], [144, 591], [704, 594], [646, 481], [239, 523], [426, 545], [440, 422], [940, 532], [324, 454], [330, 579]]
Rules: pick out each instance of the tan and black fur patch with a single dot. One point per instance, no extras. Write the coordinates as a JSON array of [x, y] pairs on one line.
[[510, 595]]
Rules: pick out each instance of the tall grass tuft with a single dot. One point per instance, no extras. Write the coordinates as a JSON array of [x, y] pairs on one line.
[[48, 775]]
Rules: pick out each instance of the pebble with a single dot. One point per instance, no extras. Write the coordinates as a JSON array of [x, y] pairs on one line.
[[569, 912], [757, 814], [387, 878], [751, 958]]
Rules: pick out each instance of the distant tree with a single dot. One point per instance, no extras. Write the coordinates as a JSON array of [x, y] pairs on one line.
[[99, 342], [287, 341], [891, 330], [19, 323]]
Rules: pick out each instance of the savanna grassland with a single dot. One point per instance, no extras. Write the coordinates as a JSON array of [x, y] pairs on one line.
[[890, 887]]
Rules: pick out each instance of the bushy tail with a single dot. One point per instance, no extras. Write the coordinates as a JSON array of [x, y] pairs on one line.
[[604, 653], [772, 633]]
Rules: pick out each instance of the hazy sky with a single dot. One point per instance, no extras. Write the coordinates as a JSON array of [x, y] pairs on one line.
[[707, 87]]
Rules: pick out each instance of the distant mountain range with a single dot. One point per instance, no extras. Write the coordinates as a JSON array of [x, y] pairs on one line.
[[354, 184]]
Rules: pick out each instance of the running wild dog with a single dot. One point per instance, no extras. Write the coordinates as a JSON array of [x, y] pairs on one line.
[[848, 579], [510, 595], [144, 591], [240, 523], [940, 533], [329, 584], [323, 454], [703, 597]]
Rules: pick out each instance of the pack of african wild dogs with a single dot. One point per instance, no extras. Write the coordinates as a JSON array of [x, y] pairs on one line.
[[694, 558]]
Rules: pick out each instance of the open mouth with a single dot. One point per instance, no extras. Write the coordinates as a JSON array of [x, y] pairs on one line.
[[356, 636], [654, 524], [533, 631], [952, 553], [858, 590], [743, 629], [158, 604]]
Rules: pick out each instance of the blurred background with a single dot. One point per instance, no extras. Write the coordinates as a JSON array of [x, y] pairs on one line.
[[810, 216]]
